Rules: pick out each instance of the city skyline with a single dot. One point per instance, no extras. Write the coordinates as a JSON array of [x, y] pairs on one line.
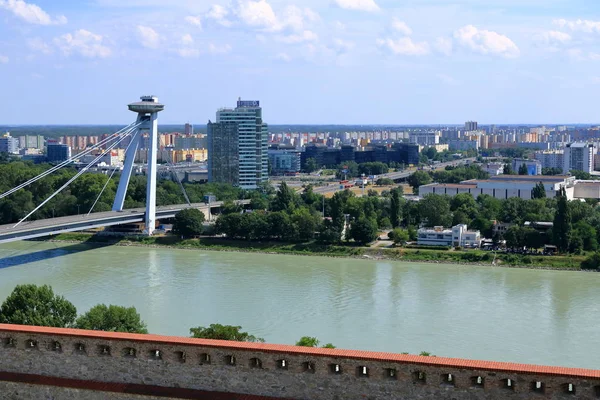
[[311, 62]]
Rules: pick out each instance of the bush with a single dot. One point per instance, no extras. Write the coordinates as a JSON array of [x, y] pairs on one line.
[[592, 262]]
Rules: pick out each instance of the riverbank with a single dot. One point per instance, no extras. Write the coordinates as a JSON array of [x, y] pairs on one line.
[[472, 257]]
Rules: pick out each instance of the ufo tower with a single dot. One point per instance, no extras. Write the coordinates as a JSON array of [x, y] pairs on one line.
[[147, 121]]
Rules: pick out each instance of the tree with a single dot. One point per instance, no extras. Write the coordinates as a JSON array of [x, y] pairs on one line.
[[400, 236], [562, 227], [508, 170], [329, 233], [224, 332], [435, 209], [384, 182], [112, 319], [285, 199], [308, 341], [523, 169], [588, 234], [189, 222], [395, 211], [514, 237], [337, 210], [38, 306], [581, 175], [419, 178], [363, 230], [311, 165], [539, 191]]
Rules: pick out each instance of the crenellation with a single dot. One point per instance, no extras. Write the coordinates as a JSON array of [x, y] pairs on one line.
[[293, 373]]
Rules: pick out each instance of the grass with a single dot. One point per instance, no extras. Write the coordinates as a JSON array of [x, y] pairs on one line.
[[566, 262]]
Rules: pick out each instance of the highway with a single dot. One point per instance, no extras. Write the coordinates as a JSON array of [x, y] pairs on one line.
[[53, 226]]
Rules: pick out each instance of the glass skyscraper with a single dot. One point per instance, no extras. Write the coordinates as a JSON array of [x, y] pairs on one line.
[[249, 154]]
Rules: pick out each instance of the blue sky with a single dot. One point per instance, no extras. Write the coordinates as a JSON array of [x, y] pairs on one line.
[[308, 61]]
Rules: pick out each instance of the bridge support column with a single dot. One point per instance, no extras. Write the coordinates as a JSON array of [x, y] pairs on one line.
[[136, 137], [151, 185]]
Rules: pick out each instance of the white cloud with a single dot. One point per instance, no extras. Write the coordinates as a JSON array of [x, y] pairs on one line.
[[553, 38], [3, 59], [188, 52], [85, 43], [31, 13], [581, 25], [296, 18], [219, 14], [194, 20], [404, 46], [339, 25], [148, 37], [486, 42], [283, 57], [400, 26], [306, 36], [39, 46], [214, 49], [358, 5], [444, 45], [187, 39], [257, 14], [342, 46]]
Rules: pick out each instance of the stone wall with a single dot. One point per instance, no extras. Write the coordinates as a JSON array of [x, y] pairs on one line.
[[63, 362]]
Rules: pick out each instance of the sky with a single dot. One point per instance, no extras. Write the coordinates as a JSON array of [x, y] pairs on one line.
[[307, 61]]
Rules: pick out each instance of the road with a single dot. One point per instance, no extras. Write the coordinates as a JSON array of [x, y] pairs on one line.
[[52, 226], [335, 187]]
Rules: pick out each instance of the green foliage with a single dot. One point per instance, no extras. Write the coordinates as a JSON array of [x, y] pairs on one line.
[[372, 168], [224, 332], [384, 182], [459, 174], [400, 236], [581, 175], [592, 262], [311, 165], [188, 222], [395, 208], [363, 230], [434, 210], [38, 306], [285, 199], [562, 228], [508, 170], [112, 319], [419, 178], [308, 341], [539, 191], [523, 169], [552, 171]]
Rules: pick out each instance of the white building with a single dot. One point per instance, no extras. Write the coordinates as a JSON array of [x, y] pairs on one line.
[[494, 169], [579, 157], [504, 186], [551, 159], [424, 138], [9, 144], [459, 235]]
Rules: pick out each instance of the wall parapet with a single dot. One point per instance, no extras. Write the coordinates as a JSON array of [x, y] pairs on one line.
[[273, 371]]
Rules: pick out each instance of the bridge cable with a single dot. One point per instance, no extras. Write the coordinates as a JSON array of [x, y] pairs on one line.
[[70, 160], [185, 195], [81, 172], [133, 139]]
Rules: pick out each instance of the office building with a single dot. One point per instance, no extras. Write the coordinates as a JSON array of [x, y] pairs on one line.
[[250, 157], [284, 159], [9, 144], [459, 235], [57, 152], [223, 152], [578, 157]]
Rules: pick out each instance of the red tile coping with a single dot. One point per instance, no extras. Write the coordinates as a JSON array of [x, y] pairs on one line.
[[312, 351], [128, 388]]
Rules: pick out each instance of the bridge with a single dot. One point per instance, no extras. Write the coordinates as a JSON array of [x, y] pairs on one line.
[[40, 362], [73, 223], [147, 120]]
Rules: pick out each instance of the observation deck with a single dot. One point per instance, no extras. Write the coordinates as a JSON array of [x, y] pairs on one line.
[[147, 105]]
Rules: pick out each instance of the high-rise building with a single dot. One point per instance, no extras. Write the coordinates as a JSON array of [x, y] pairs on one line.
[[470, 126], [579, 157], [9, 144], [252, 136], [189, 129], [57, 152], [223, 152]]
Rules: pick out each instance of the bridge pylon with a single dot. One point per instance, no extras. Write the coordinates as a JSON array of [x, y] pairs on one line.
[[147, 121]]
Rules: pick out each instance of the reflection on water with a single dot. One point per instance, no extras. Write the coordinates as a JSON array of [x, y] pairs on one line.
[[542, 317]]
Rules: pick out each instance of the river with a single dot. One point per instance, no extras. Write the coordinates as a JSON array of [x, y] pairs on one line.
[[502, 314]]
